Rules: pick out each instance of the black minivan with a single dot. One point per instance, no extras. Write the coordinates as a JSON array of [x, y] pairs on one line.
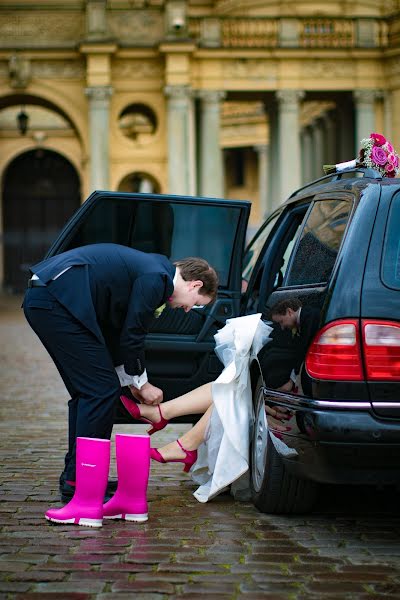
[[335, 245]]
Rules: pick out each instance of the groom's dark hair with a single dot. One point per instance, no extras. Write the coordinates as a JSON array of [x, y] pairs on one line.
[[282, 306], [194, 268]]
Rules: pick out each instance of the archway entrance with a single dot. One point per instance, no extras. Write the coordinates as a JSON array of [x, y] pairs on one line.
[[41, 191], [139, 182]]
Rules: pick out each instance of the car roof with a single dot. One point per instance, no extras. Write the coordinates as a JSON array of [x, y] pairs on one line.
[[362, 177]]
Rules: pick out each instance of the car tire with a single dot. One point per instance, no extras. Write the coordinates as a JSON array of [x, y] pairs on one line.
[[274, 489]]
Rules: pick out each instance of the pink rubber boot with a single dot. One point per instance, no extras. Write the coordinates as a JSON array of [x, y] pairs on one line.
[[92, 466], [133, 465]]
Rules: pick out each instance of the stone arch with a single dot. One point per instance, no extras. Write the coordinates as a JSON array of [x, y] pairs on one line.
[[18, 99], [40, 192], [72, 147], [139, 181]]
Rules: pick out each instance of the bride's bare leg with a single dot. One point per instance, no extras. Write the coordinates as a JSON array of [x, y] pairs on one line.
[[190, 440], [195, 402]]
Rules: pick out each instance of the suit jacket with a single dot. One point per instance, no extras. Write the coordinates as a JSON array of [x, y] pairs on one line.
[[286, 352], [113, 290], [278, 357]]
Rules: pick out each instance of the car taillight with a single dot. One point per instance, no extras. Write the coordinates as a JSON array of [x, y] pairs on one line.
[[335, 352], [381, 349]]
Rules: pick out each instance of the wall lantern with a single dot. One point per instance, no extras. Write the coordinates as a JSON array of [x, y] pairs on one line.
[[22, 121]]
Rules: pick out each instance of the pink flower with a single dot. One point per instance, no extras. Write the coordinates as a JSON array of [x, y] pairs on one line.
[[378, 138], [378, 155], [389, 168], [393, 159], [388, 147]]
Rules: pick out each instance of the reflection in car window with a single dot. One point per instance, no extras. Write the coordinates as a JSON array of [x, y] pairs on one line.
[[256, 246], [176, 230], [319, 243], [391, 256]]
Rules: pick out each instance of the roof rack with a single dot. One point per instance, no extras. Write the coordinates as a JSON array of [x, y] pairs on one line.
[[367, 171]]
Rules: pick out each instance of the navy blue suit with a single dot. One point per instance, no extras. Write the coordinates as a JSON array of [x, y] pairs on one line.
[[93, 317]]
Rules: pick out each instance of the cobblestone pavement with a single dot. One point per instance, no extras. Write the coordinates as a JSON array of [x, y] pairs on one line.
[[349, 548]]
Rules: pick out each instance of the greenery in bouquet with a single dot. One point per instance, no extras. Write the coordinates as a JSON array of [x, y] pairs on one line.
[[377, 153]]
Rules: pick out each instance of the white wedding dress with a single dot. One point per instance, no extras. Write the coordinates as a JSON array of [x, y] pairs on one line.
[[223, 458]]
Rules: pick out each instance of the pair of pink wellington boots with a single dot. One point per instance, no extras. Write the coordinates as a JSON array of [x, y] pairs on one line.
[[92, 465]]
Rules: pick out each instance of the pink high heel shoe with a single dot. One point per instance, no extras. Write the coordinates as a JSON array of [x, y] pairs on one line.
[[134, 410], [189, 460]]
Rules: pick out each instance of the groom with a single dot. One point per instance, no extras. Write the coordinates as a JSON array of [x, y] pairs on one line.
[[303, 321], [91, 307]]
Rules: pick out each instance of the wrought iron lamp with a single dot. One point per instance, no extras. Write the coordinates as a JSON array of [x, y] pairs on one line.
[[22, 121]]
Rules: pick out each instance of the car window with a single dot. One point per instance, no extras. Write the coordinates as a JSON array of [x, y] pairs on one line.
[[319, 243], [256, 245], [268, 274], [391, 254], [287, 253], [176, 230]]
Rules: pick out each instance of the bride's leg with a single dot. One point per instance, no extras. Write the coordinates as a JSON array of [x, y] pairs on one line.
[[195, 402], [190, 440]]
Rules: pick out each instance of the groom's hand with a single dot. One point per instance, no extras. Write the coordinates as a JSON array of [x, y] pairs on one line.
[[148, 394]]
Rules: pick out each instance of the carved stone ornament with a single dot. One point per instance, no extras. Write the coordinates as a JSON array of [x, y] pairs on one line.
[[137, 69], [96, 20], [19, 71], [328, 69], [142, 27], [367, 97], [211, 96], [99, 95], [38, 29], [178, 92], [250, 69], [57, 69], [289, 98]]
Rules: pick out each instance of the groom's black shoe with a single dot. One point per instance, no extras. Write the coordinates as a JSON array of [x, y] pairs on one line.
[[67, 490]]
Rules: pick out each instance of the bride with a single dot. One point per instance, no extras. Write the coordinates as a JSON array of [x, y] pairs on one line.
[[216, 448]]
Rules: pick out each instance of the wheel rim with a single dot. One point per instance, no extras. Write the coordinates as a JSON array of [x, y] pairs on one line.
[[259, 446]]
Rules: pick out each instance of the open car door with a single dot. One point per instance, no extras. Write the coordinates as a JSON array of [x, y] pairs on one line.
[[179, 346]]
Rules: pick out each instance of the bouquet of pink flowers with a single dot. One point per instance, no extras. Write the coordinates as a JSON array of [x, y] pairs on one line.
[[377, 153]]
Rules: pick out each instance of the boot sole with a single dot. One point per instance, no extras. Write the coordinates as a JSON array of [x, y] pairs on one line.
[[81, 521], [129, 517]]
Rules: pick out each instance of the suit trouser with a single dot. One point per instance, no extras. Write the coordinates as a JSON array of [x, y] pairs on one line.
[[84, 364]]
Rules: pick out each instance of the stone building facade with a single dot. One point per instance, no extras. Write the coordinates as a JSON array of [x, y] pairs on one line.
[[234, 98]]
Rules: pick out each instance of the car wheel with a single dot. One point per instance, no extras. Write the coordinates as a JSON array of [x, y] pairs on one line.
[[274, 489]]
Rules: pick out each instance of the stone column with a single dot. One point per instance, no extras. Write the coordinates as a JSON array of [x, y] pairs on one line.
[[211, 163], [387, 115], [307, 155], [99, 103], [318, 149], [273, 184], [330, 154], [181, 140], [289, 141], [348, 148], [365, 113], [265, 204]]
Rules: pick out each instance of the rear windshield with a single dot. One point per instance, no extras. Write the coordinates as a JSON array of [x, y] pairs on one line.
[[391, 254]]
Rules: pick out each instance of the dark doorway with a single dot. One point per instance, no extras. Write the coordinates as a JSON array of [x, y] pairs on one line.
[[41, 191]]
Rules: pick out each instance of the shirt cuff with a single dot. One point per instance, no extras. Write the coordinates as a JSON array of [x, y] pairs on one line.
[[136, 380]]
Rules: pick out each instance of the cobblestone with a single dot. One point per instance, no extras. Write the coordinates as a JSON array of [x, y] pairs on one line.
[[349, 548]]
